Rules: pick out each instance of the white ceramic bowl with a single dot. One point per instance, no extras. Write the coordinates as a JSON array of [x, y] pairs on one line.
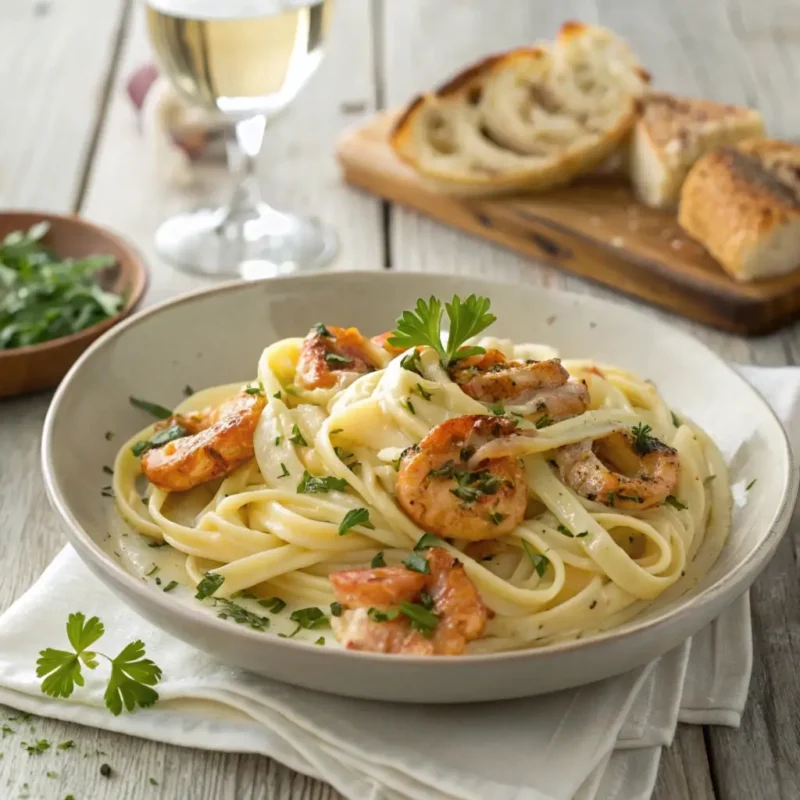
[[216, 337]]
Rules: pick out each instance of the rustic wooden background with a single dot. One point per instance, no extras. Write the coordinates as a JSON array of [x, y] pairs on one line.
[[69, 142]]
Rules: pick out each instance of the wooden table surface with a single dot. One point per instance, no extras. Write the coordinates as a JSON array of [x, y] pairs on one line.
[[69, 142]]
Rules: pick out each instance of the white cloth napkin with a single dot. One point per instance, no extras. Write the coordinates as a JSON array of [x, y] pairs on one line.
[[598, 742]]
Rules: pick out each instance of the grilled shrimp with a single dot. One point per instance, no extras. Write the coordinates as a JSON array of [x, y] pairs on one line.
[[328, 351], [444, 496], [220, 440], [620, 470], [546, 385], [460, 615]]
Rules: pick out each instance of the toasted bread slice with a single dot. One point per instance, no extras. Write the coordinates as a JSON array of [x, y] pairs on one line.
[[671, 133], [530, 119], [743, 205]]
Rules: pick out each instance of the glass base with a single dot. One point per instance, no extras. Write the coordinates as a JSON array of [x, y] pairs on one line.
[[259, 243]]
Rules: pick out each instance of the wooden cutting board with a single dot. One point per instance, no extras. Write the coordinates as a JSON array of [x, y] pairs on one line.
[[595, 229]]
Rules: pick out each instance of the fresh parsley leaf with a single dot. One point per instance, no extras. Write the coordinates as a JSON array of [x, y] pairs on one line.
[[675, 503], [540, 562], [254, 389], [497, 410], [240, 615], [643, 442], [675, 419], [66, 745], [336, 609], [356, 516], [410, 406], [309, 618], [188, 391], [566, 531], [422, 619], [544, 422], [151, 408], [161, 438], [36, 748], [320, 641], [273, 604], [132, 679], [750, 485], [496, 517], [210, 583], [428, 540], [378, 560], [411, 362], [108, 470], [581, 535], [383, 615], [284, 471], [322, 330], [313, 485], [335, 358], [416, 563], [170, 586], [153, 781], [422, 325], [297, 437], [132, 675], [422, 393], [633, 498], [278, 440]]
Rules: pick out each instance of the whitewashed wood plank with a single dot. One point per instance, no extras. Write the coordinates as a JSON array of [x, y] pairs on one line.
[[54, 57]]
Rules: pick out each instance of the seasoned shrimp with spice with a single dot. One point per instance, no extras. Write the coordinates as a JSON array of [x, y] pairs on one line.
[[627, 470], [445, 496], [333, 356], [432, 610], [219, 440], [544, 385]]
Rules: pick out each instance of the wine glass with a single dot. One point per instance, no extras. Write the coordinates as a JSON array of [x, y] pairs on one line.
[[247, 59]]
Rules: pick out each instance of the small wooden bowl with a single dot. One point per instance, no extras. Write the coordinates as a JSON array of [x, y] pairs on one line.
[[42, 366]]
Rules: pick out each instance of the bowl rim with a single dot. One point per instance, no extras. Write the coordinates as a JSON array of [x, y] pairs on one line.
[[750, 565], [139, 283]]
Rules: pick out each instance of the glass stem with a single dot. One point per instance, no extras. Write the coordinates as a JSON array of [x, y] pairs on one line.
[[244, 145]]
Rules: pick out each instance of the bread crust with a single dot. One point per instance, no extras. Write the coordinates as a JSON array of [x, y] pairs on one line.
[[467, 136], [743, 205]]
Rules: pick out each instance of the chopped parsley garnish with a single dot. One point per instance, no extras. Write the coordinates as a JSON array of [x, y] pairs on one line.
[[447, 470], [422, 326], [335, 358], [153, 782], [466, 453], [7, 730], [161, 438], [416, 563], [428, 540], [108, 470], [297, 437], [348, 459], [675, 419], [151, 408], [540, 562], [581, 535], [378, 560], [610, 498], [496, 517], [278, 440], [336, 609], [422, 393], [170, 586], [188, 391], [544, 422], [412, 362], [321, 640], [708, 480], [322, 330], [675, 503], [335, 431], [410, 406], [273, 604], [66, 745], [309, 618], [109, 435], [356, 516], [240, 615], [381, 615], [255, 389], [750, 485], [158, 544], [426, 600], [210, 583], [497, 410], [152, 571], [633, 498], [277, 395], [422, 619], [474, 485], [566, 531], [284, 471], [643, 442], [313, 485], [36, 748], [130, 682]]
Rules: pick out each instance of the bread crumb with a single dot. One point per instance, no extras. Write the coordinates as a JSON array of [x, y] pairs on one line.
[[618, 241]]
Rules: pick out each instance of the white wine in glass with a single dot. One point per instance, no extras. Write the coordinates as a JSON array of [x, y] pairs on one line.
[[247, 59]]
